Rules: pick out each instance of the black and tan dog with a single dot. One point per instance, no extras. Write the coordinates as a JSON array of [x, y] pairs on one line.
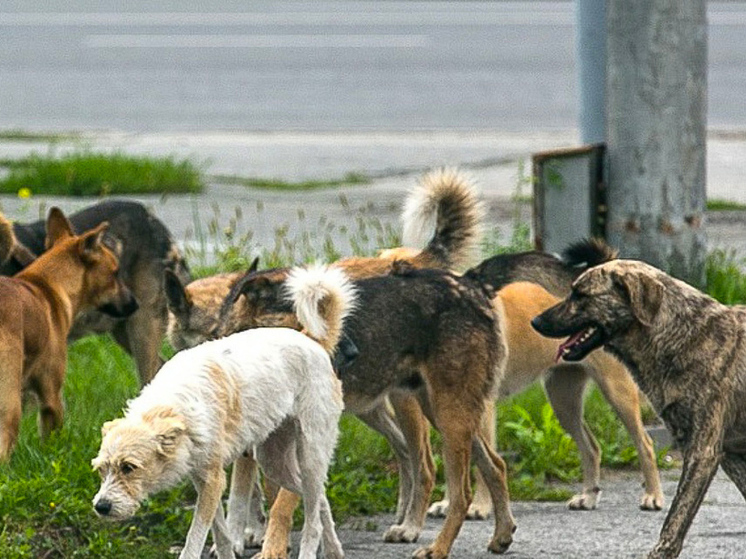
[[446, 205], [528, 283], [145, 249], [685, 350], [426, 334], [39, 304]]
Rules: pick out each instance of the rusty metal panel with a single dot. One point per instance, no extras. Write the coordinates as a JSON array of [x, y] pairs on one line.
[[569, 196]]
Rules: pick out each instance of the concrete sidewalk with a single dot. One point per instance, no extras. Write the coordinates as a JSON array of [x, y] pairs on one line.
[[394, 160]]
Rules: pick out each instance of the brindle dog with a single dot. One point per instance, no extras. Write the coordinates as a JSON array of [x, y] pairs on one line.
[[688, 354]]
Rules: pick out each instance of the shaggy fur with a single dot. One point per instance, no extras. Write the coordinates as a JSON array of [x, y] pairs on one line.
[[449, 201], [687, 353], [532, 357], [39, 305], [426, 335], [145, 249], [272, 391]]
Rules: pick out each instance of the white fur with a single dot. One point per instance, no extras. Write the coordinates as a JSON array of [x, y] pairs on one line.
[[290, 403], [420, 214], [306, 287]]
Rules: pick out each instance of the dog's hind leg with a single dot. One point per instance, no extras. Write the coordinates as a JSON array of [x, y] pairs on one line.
[[332, 545], [416, 459], [622, 393], [565, 386], [495, 473], [279, 524], [313, 461], [450, 416], [210, 486], [481, 505], [734, 465], [11, 403], [243, 479], [49, 390]]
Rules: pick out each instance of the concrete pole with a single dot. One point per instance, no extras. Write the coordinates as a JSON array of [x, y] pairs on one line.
[[657, 103], [590, 48]]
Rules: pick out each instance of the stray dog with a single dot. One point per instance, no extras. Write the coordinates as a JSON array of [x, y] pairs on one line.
[[270, 391], [444, 209], [39, 305], [685, 350], [423, 334], [145, 249], [531, 357]]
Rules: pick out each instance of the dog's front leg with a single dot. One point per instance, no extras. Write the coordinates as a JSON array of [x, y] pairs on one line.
[[210, 486], [701, 459]]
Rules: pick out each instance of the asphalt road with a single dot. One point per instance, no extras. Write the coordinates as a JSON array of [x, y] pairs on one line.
[[181, 65], [616, 530]]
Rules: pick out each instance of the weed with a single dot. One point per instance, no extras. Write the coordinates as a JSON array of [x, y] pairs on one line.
[[717, 204]]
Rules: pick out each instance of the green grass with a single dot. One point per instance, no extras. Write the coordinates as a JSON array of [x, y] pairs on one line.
[[717, 204], [19, 135], [279, 184], [86, 173]]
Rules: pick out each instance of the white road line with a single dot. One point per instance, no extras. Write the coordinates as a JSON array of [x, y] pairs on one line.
[[256, 41]]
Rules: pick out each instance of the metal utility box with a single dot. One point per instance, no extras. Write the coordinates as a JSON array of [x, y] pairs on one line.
[[569, 196]]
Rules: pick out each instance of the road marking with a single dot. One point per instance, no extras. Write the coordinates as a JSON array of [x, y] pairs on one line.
[[256, 41]]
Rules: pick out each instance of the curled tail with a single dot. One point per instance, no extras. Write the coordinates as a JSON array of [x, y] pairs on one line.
[[322, 297], [588, 253], [445, 209]]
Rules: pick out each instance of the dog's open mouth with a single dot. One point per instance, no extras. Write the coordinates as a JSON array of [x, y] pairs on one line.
[[580, 344]]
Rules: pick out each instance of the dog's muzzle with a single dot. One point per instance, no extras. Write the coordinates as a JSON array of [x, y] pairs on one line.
[[103, 507]]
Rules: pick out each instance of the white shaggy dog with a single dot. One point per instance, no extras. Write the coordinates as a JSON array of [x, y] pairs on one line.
[[270, 390]]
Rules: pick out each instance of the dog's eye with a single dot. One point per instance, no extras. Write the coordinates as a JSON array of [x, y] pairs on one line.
[[127, 468]]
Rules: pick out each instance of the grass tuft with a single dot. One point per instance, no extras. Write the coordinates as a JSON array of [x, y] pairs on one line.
[[99, 174], [279, 184]]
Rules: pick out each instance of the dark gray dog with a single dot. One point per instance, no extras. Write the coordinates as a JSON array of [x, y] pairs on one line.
[[688, 354]]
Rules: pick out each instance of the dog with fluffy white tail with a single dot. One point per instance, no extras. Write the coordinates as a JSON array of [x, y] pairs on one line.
[[270, 391]]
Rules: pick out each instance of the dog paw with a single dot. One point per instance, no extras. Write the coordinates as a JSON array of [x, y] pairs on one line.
[[651, 502], [438, 509], [271, 555], [400, 533], [428, 553], [479, 511], [584, 501]]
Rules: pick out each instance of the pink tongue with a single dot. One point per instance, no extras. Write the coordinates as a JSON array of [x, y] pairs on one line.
[[567, 343]]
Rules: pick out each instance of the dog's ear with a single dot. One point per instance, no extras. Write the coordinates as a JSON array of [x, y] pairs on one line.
[[645, 295], [177, 298], [91, 243], [168, 431], [58, 228], [254, 266], [106, 427]]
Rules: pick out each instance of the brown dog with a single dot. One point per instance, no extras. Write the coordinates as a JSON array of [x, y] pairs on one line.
[[685, 350], [39, 306]]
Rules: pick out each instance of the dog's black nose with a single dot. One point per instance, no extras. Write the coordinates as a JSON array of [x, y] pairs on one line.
[[536, 323], [103, 507]]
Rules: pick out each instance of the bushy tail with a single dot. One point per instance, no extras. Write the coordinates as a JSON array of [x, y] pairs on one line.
[[588, 253], [322, 297], [445, 209]]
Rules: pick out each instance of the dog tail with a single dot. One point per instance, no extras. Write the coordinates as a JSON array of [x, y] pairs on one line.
[[322, 297], [588, 253], [445, 209]]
